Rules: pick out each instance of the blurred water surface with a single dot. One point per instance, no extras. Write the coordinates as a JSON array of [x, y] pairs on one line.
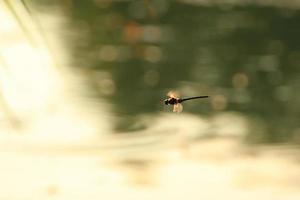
[[82, 88]]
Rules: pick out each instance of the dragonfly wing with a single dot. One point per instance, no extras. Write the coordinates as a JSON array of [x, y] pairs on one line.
[[173, 94], [177, 108]]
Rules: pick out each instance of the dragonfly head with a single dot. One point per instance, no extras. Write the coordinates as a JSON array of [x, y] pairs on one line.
[[166, 101]]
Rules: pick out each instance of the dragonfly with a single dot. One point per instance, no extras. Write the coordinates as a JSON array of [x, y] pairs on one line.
[[174, 100]]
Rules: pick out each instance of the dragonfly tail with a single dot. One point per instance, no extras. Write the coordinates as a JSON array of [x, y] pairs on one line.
[[198, 97]]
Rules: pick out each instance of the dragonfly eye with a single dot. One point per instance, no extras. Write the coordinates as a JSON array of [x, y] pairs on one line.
[[166, 101]]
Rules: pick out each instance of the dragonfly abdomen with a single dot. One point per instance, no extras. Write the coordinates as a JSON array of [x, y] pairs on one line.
[[190, 98]]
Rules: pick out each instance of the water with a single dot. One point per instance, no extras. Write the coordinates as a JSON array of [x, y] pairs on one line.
[[82, 90], [244, 57]]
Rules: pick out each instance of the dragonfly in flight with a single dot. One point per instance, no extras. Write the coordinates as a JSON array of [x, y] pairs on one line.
[[174, 100]]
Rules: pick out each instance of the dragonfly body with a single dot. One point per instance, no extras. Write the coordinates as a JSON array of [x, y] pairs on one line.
[[175, 101], [172, 101]]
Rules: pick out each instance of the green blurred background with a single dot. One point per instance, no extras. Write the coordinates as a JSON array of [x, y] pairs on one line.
[[245, 56]]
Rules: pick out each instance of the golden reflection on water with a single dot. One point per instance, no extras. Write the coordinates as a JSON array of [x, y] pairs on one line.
[[58, 153]]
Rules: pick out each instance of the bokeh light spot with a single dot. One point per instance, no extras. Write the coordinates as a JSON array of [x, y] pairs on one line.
[[219, 102], [108, 53], [153, 54], [240, 80]]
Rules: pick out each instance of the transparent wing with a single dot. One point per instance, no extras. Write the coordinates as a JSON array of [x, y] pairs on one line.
[[173, 94], [177, 108]]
